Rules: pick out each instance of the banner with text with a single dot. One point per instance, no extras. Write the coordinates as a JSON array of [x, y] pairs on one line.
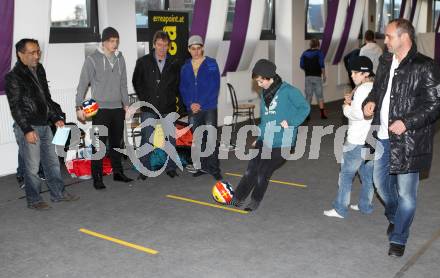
[[176, 25]]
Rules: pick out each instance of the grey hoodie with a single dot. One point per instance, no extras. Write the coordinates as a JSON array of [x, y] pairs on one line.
[[108, 82]]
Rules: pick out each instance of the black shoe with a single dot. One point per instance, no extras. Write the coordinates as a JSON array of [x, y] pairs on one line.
[[142, 177], [20, 181], [217, 177], [172, 173], [253, 205], [98, 184], [396, 250], [235, 202], [390, 229], [121, 177], [199, 173]]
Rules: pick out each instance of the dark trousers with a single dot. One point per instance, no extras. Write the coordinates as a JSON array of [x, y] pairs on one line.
[[113, 119], [257, 175], [210, 163]]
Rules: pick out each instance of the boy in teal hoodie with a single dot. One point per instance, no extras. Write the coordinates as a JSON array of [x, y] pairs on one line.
[[283, 109]]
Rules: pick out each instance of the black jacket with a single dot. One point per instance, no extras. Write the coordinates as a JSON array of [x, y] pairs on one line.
[[415, 100], [29, 100], [159, 89]]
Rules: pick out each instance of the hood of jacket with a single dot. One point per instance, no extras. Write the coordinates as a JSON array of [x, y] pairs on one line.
[[100, 52]]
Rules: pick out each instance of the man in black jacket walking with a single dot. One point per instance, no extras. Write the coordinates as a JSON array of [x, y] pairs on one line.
[[405, 103], [156, 81], [32, 109]]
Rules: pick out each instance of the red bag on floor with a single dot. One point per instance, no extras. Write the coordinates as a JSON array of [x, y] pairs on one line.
[[184, 135], [81, 168]]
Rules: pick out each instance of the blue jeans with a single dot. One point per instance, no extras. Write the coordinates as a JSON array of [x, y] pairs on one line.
[[398, 193], [32, 154], [20, 168], [146, 136], [210, 163], [352, 162]]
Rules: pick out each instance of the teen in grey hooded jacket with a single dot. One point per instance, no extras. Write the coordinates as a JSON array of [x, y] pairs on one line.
[[107, 78], [105, 72]]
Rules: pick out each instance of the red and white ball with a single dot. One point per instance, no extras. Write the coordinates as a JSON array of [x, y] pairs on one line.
[[222, 192], [90, 107]]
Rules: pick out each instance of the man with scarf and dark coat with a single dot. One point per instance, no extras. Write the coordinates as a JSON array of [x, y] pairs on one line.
[[405, 103], [156, 81], [283, 109]]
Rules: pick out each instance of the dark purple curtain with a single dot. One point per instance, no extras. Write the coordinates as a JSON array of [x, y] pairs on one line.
[[238, 34], [332, 11], [6, 35], [199, 24], [345, 32], [413, 10]]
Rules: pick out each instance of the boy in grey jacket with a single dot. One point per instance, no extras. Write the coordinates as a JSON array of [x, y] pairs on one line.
[[105, 72]]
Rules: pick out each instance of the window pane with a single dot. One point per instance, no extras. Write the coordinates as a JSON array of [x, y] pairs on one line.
[[316, 14], [183, 6], [71, 13], [142, 7], [268, 15], [230, 16], [396, 11], [383, 14]]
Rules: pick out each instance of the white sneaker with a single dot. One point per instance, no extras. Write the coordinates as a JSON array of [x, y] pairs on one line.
[[190, 168], [354, 207], [332, 213]]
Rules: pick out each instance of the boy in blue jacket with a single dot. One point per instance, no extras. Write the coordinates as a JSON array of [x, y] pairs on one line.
[[199, 88], [283, 107]]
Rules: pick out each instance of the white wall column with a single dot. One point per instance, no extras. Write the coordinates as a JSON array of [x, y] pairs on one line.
[[284, 47], [121, 16]]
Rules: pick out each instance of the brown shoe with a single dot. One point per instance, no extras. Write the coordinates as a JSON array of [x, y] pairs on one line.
[[40, 206], [68, 197]]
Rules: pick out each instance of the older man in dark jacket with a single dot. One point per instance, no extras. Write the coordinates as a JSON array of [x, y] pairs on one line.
[[156, 81], [405, 107], [33, 109]]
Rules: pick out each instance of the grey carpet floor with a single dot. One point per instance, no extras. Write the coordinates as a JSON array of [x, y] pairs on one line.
[[288, 236]]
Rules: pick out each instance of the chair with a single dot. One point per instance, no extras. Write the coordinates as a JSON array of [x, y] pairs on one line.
[[240, 110], [136, 120]]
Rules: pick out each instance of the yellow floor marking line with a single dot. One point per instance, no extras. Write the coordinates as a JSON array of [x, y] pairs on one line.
[[274, 181], [120, 242], [206, 204]]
